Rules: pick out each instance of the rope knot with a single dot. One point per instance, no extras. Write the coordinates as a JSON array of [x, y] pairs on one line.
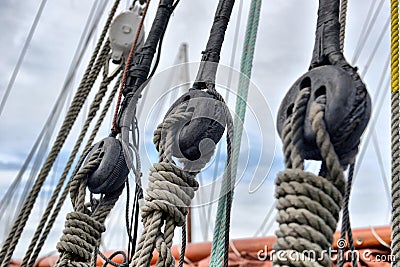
[[81, 234], [308, 212], [170, 191]]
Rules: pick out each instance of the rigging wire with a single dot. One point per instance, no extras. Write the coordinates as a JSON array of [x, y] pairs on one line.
[[22, 55], [368, 29], [380, 94], [376, 47]]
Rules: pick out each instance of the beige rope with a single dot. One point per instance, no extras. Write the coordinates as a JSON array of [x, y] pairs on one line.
[[308, 205], [84, 226]]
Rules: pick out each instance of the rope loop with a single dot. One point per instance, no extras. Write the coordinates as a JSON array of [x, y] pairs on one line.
[[170, 191]]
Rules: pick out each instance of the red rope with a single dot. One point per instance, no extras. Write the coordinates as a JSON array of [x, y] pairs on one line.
[[133, 48]]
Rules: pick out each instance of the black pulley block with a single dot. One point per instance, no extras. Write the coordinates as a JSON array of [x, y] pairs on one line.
[[199, 134], [347, 110], [112, 172]]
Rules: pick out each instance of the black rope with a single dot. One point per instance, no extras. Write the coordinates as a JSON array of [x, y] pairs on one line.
[[133, 224], [229, 195], [109, 260]]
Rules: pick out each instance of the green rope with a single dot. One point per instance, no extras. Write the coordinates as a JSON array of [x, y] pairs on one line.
[[220, 231]]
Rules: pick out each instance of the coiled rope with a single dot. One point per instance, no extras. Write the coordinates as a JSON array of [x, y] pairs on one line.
[[395, 118], [171, 188], [84, 226], [308, 205], [169, 195], [220, 246]]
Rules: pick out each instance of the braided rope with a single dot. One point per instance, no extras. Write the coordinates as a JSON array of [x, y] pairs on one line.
[[308, 205], [342, 21], [87, 82], [395, 132]]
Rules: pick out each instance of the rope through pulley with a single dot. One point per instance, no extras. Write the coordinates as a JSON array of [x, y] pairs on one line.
[[117, 156], [189, 132], [322, 118], [84, 226]]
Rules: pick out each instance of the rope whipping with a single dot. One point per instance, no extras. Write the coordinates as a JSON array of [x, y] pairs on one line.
[[84, 88], [395, 121], [220, 246], [84, 226]]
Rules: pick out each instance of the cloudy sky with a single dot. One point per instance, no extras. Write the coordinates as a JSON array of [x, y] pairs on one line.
[[283, 52]]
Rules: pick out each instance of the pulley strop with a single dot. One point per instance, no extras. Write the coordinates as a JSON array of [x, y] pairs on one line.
[[139, 68], [112, 171], [348, 105], [197, 136], [141, 62]]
